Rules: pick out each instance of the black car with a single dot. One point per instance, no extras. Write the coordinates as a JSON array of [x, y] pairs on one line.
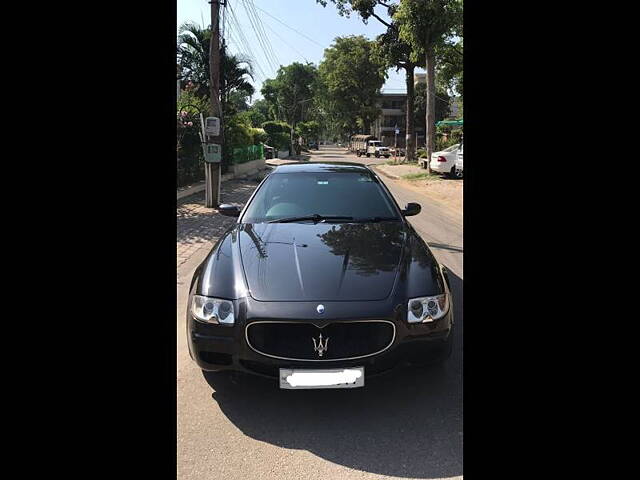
[[321, 281], [313, 145]]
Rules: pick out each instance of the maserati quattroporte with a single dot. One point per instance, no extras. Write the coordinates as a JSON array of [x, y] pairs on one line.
[[320, 282]]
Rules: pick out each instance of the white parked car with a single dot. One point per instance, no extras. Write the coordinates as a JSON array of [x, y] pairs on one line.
[[445, 160], [459, 162]]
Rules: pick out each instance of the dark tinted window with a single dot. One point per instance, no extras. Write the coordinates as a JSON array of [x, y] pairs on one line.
[[351, 194]]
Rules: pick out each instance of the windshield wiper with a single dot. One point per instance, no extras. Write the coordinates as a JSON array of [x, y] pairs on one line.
[[315, 217], [376, 219]]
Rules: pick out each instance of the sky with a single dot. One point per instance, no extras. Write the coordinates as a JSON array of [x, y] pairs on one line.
[[312, 29]]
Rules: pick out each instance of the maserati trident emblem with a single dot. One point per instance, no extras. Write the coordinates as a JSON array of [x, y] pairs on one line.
[[320, 308], [320, 347]]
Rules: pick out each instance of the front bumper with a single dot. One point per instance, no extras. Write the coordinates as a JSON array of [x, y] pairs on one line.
[[221, 347]]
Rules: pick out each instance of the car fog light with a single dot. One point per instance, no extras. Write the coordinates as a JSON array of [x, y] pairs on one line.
[[212, 310], [427, 309]]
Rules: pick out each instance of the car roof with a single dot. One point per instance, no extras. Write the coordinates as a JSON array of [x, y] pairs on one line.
[[318, 167]]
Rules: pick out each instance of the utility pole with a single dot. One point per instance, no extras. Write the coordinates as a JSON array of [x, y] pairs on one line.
[[213, 170]]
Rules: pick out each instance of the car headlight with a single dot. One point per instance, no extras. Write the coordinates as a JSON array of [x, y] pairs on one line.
[[212, 310], [427, 309]]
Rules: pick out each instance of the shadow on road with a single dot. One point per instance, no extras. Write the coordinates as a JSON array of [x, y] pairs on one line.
[[407, 423]]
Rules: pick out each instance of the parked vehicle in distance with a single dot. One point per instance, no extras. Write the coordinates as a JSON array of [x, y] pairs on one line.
[[358, 144], [313, 145], [269, 152], [459, 162], [377, 149], [444, 161], [320, 282]]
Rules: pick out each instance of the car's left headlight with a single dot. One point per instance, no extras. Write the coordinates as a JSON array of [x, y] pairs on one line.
[[212, 310], [427, 309]]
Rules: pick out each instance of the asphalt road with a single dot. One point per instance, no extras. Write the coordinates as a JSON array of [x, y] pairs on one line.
[[406, 424]]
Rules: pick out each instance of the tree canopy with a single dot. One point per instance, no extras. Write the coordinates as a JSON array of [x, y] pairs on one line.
[[351, 78], [291, 93]]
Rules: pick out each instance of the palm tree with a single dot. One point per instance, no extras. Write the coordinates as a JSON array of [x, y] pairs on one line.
[[235, 88], [193, 55]]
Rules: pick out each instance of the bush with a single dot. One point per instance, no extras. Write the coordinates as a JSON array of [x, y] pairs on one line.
[[259, 135], [280, 141], [272, 127], [190, 167], [278, 134]]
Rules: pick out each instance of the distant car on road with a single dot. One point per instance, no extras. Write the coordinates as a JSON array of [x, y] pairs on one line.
[[313, 145], [444, 161], [269, 152]]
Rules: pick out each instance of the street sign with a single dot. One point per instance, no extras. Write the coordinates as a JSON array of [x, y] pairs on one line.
[[212, 153], [212, 126], [397, 131]]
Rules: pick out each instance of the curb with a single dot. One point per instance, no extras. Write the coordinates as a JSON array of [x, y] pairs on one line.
[[386, 174], [190, 191]]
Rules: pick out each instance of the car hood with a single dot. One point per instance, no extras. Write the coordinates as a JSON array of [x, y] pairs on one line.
[[307, 262]]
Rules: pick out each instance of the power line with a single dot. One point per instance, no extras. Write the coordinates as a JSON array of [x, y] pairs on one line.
[[242, 42], [291, 28], [286, 43], [259, 32]]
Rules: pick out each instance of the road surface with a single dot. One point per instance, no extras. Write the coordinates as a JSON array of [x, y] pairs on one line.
[[406, 424]]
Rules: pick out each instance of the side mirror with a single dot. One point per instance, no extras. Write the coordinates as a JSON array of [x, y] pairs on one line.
[[411, 209], [230, 210]]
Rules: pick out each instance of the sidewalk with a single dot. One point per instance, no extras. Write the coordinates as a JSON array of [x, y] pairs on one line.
[[440, 188], [199, 227], [189, 190]]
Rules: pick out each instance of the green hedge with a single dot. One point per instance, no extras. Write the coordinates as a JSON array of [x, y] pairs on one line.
[[247, 154]]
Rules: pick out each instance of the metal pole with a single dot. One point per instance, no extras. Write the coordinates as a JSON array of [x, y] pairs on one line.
[[212, 170]]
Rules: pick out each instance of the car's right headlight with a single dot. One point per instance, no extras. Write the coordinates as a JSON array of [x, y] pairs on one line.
[[212, 310], [427, 309]]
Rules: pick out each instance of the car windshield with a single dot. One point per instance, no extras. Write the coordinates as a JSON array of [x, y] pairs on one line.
[[451, 148], [354, 196]]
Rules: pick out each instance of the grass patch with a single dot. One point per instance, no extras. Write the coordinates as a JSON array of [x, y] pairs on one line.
[[392, 162], [421, 176]]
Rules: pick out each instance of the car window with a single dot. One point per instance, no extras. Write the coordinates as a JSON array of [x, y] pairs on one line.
[[451, 148], [350, 194]]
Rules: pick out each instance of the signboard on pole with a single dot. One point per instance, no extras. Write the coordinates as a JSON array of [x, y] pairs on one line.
[[212, 153], [212, 126]]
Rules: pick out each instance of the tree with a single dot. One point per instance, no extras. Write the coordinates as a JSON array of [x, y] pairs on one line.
[[260, 112], [450, 67], [442, 104], [291, 93], [194, 44], [193, 56], [235, 86], [308, 130], [426, 25], [397, 53], [351, 77], [394, 51]]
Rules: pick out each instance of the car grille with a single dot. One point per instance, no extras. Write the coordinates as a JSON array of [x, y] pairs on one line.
[[295, 340]]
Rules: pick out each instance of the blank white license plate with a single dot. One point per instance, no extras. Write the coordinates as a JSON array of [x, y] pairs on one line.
[[293, 378]]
